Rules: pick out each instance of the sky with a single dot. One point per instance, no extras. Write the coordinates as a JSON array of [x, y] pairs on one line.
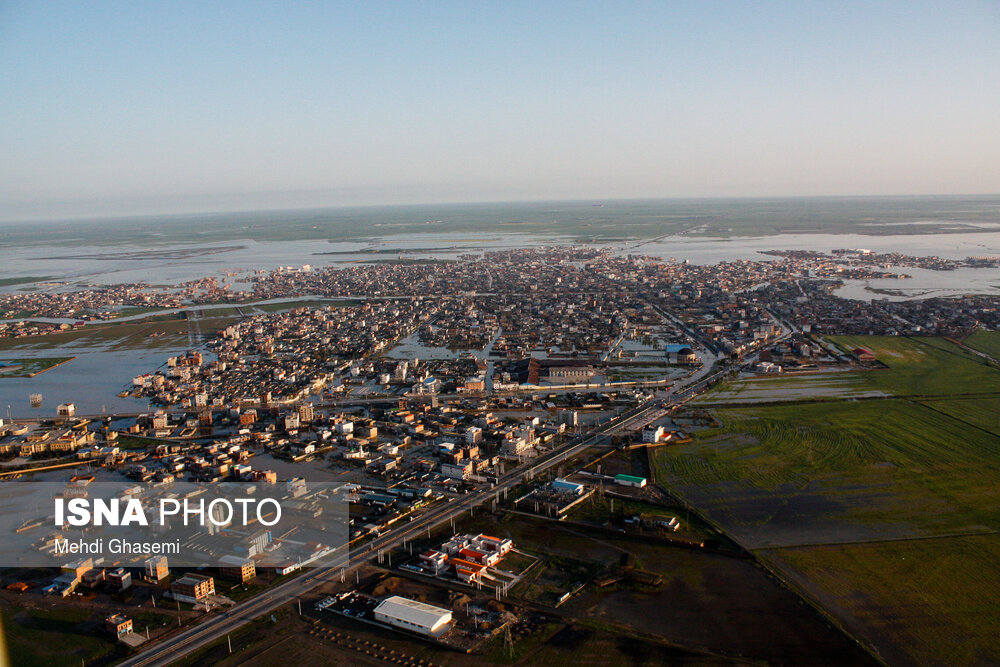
[[133, 107]]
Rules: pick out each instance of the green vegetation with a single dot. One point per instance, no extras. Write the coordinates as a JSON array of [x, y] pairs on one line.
[[923, 601], [67, 634], [21, 368], [601, 510], [796, 474], [922, 366], [983, 412], [985, 341], [21, 280], [883, 511]]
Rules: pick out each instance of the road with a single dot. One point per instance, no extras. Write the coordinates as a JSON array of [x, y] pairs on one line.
[[217, 626], [226, 622]]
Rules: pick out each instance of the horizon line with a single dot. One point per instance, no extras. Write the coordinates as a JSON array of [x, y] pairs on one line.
[[484, 202]]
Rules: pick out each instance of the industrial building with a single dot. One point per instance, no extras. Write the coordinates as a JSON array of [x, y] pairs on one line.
[[415, 616]]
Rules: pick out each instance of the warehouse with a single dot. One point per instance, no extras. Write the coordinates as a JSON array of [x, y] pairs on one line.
[[414, 616]]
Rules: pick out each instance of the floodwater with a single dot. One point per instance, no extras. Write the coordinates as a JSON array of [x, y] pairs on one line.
[[168, 265], [92, 380]]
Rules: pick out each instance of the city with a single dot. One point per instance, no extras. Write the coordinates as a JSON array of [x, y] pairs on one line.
[[492, 394], [465, 334]]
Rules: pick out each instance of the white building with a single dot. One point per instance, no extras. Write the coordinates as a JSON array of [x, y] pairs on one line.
[[460, 470], [415, 616], [652, 434]]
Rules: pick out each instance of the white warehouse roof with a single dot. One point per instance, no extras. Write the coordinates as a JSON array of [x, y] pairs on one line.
[[412, 614]]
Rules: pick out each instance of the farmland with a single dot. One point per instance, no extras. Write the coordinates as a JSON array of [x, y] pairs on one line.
[[66, 634], [884, 511], [982, 412], [908, 595], [985, 341], [925, 366], [835, 472], [837, 384]]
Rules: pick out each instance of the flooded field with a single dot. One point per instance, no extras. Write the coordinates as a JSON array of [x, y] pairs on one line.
[[836, 384]]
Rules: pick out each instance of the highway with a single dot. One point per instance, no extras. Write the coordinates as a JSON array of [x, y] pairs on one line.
[[177, 646]]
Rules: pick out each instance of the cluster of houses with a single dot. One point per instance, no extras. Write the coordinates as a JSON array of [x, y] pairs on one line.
[[466, 557], [105, 302]]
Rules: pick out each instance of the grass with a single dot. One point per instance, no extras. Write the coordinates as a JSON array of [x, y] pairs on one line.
[[883, 511], [983, 412], [793, 474], [985, 341], [599, 510], [923, 601], [922, 366], [21, 280], [48, 638], [32, 367]]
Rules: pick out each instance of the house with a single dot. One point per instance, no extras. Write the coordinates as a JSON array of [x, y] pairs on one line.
[[156, 569], [193, 588], [118, 625], [237, 568], [119, 579]]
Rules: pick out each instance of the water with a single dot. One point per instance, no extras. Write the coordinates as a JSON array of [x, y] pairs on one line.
[[168, 251], [92, 381]]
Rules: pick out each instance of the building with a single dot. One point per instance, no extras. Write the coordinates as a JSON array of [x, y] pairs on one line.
[[66, 409], [434, 560], [306, 413], [460, 470], [630, 480], [118, 625], [156, 569], [863, 354], [119, 579], [237, 568], [560, 484], [652, 434], [193, 588], [414, 616], [686, 355]]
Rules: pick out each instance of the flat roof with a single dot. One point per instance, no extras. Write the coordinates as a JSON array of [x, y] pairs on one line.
[[630, 478], [418, 613]]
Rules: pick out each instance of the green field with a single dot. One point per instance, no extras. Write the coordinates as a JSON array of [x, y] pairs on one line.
[[30, 367], [922, 366], [69, 636], [770, 389], [882, 511], [840, 471], [983, 412], [21, 280], [925, 601], [985, 341]]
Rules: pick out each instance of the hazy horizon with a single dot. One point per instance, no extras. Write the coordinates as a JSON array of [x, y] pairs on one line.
[[142, 108], [588, 201]]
